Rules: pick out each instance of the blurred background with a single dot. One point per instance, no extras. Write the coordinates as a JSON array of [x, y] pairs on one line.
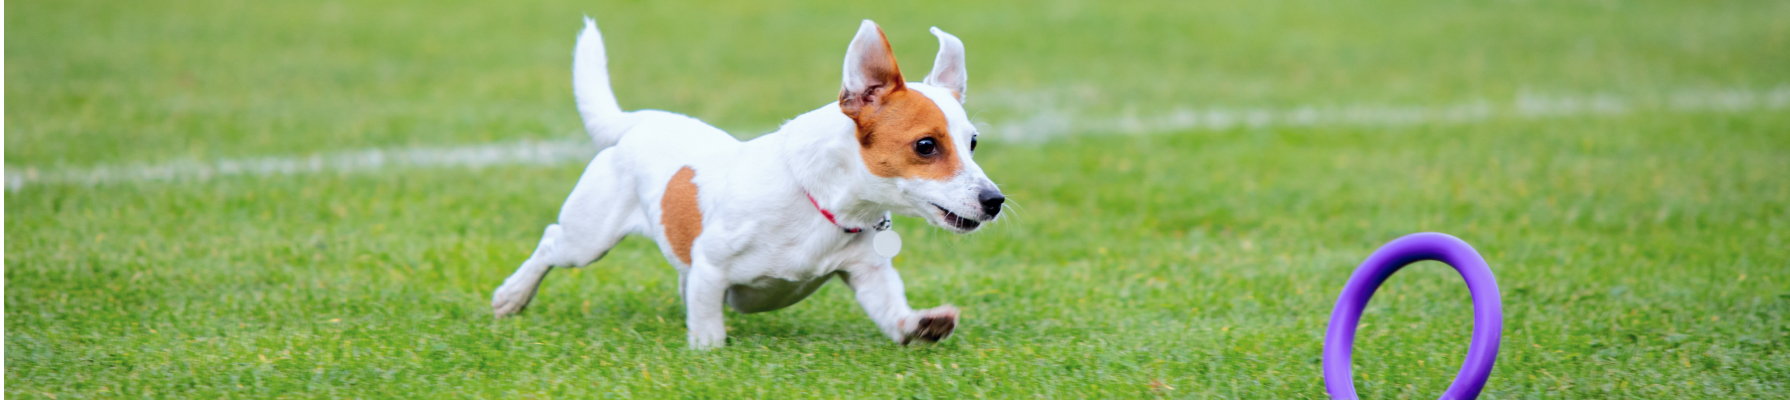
[[151, 81], [315, 198]]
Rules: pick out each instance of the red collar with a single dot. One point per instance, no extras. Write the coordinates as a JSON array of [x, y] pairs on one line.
[[829, 215]]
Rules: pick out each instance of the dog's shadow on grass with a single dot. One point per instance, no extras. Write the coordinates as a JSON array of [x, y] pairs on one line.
[[629, 318], [648, 310], [796, 327]]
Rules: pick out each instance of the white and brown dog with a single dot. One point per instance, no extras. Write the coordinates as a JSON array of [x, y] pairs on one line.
[[759, 225]]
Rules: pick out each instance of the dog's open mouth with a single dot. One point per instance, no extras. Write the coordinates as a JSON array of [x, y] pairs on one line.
[[958, 221]]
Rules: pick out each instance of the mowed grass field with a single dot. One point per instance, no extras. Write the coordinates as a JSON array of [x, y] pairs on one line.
[[1639, 242]]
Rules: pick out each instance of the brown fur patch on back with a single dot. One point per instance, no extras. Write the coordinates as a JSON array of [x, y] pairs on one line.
[[888, 130], [679, 213]]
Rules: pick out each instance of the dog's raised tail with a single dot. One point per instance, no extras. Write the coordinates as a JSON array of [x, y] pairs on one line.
[[603, 118]]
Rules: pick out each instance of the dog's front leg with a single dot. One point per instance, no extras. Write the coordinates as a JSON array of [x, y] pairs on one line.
[[705, 288], [880, 291]]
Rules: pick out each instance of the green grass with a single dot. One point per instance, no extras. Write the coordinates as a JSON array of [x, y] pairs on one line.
[[1640, 255]]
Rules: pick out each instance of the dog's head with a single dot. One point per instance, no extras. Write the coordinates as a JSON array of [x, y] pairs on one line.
[[915, 137]]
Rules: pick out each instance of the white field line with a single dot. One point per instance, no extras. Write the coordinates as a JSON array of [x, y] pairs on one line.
[[1047, 121], [474, 156]]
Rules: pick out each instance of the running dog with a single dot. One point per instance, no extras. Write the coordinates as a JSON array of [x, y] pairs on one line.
[[761, 224]]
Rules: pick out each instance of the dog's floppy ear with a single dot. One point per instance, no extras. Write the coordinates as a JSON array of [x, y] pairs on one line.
[[948, 70], [870, 71]]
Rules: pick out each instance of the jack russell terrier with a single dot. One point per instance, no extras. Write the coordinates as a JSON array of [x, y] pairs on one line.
[[761, 224]]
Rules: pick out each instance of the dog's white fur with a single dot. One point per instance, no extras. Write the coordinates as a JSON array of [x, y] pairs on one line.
[[763, 245]]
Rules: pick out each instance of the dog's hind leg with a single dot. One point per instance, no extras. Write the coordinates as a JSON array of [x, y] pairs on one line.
[[601, 210], [520, 288]]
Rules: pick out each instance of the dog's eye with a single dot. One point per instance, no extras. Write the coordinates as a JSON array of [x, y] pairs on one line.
[[926, 147], [972, 144]]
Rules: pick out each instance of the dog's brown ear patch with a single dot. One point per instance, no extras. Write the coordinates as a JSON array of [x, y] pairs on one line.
[[679, 213], [871, 74]]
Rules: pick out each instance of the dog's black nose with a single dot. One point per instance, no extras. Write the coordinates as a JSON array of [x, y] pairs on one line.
[[991, 199]]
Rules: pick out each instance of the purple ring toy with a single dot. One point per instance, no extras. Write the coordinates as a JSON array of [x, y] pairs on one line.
[[1488, 310]]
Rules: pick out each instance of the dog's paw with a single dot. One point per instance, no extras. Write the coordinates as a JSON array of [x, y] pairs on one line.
[[509, 301], [707, 337], [706, 343], [932, 325]]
